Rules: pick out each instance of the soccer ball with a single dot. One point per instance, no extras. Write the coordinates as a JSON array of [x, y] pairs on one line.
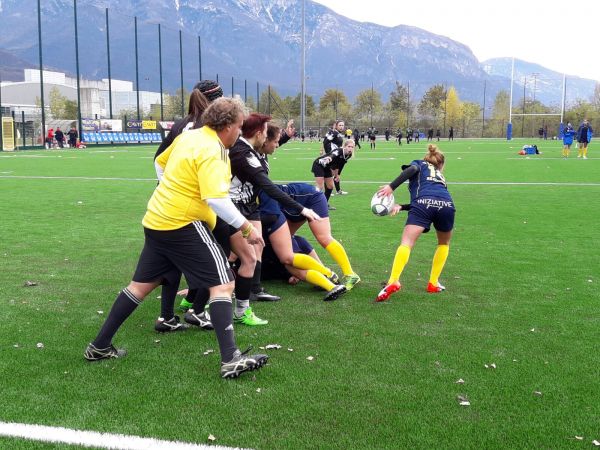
[[381, 206]]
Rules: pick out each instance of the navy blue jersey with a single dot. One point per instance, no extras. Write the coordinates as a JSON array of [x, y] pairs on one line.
[[428, 182]]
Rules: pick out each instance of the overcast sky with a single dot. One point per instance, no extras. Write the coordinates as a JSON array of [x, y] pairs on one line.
[[532, 30]]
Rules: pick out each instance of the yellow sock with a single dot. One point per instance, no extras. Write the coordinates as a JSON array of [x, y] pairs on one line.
[[579, 151], [439, 259], [337, 252], [318, 279], [400, 260], [306, 262], [585, 151]]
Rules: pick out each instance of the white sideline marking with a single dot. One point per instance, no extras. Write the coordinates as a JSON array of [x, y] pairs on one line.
[[95, 439], [475, 183], [40, 177]]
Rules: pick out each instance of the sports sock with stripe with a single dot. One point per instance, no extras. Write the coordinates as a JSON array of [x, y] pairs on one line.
[[122, 308], [220, 315]]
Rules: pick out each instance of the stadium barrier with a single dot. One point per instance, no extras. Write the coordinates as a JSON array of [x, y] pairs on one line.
[[120, 138]]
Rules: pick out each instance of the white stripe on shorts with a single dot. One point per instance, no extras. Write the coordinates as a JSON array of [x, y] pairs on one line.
[[214, 250]]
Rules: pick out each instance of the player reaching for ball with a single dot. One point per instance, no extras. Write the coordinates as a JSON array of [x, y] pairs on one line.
[[430, 202]]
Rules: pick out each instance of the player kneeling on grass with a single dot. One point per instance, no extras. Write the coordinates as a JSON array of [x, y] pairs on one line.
[[177, 229], [430, 202]]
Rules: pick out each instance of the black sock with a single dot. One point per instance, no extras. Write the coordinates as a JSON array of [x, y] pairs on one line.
[[256, 287], [243, 285], [200, 300], [337, 186], [122, 308], [222, 319], [191, 295], [167, 301], [328, 193]]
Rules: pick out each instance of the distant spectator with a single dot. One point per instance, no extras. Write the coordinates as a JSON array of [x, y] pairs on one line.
[[60, 137], [545, 132], [50, 138], [73, 135]]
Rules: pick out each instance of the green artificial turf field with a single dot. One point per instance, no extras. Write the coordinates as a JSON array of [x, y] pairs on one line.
[[522, 294]]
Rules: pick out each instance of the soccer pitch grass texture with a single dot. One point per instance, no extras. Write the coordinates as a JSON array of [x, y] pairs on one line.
[[522, 294]]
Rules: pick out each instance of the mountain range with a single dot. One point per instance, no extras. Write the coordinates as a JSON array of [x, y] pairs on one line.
[[257, 41]]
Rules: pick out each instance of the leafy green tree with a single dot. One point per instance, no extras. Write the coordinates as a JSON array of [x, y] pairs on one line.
[[453, 109], [496, 127], [399, 98], [273, 105], [432, 103], [368, 106], [334, 100], [470, 113]]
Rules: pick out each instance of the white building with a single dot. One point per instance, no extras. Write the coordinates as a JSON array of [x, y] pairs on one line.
[[24, 95]]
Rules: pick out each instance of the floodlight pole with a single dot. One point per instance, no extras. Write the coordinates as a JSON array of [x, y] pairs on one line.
[[110, 105], [80, 125], [303, 71], [562, 108], [39, 14], [512, 77]]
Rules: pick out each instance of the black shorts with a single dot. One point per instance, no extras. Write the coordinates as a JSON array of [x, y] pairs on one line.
[[191, 250], [320, 171], [425, 211]]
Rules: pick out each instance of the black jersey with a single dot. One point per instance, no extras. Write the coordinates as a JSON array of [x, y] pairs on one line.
[[333, 139], [249, 175], [334, 160], [178, 127]]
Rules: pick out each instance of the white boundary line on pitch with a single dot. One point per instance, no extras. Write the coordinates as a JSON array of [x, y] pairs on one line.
[[474, 183], [95, 439]]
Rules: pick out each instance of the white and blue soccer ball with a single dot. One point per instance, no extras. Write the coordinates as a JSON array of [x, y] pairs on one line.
[[382, 206]]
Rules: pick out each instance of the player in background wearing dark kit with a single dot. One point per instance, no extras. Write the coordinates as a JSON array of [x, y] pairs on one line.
[[430, 202], [180, 214], [330, 165], [333, 140], [451, 134], [249, 175], [372, 139], [584, 136], [203, 93], [438, 134], [430, 134], [356, 136]]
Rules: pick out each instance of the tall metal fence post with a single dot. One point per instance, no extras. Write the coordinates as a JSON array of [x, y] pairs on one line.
[[79, 123], [110, 105], [39, 14], [181, 73], [199, 59], [137, 73], [160, 71]]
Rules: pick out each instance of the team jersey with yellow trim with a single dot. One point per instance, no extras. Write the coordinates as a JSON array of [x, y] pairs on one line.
[[196, 167]]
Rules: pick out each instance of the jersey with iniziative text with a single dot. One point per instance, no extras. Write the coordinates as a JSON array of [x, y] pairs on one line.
[[427, 182]]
